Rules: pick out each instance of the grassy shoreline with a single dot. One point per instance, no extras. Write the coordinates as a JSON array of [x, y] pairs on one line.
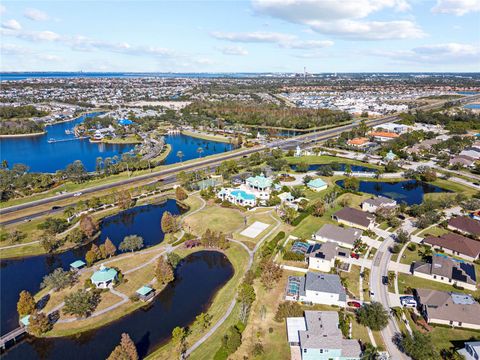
[[217, 138]]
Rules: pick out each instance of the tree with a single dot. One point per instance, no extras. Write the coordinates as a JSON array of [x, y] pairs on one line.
[[131, 243], [48, 242], [90, 257], [271, 273], [96, 250], [370, 352], [76, 236], [25, 304], [39, 324], [118, 354], [351, 183], [110, 249], [124, 199], [163, 271], [418, 346], [232, 340], [373, 315], [168, 222], [179, 338], [81, 303], [204, 320], [318, 208], [402, 236], [302, 167], [59, 279], [180, 194], [129, 346], [88, 225], [173, 259], [289, 214]]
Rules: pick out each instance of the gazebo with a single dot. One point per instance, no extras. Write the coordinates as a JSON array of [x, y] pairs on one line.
[[104, 277], [145, 293], [77, 265]]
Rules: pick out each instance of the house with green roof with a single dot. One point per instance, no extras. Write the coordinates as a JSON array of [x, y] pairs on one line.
[[317, 184], [104, 278], [259, 183]]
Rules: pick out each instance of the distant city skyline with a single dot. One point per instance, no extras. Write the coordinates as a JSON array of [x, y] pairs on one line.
[[241, 36]]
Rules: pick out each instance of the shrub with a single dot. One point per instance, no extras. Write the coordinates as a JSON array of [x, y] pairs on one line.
[[288, 309]]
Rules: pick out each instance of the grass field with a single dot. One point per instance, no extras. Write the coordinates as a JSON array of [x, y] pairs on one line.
[[433, 231], [352, 280], [326, 159], [415, 282], [215, 218]]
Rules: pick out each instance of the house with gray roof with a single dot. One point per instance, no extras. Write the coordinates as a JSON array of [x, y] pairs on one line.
[[355, 218], [465, 225], [449, 308], [316, 288], [316, 336], [378, 202], [345, 237], [447, 270], [321, 257]]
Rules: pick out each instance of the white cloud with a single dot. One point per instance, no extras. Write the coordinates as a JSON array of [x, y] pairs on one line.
[[234, 50], [49, 57], [370, 30], [282, 40], [456, 7], [11, 24], [448, 53], [12, 49], [343, 18], [3, 9], [35, 14]]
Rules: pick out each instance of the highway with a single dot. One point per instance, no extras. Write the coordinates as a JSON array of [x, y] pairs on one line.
[[289, 143]]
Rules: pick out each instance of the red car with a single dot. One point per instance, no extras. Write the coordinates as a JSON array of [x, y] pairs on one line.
[[354, 304], [354, 255]]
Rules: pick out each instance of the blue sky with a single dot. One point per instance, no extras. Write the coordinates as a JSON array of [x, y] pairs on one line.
[[241, 36]]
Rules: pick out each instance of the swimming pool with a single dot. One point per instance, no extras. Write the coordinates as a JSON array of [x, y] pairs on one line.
[[242, 194]]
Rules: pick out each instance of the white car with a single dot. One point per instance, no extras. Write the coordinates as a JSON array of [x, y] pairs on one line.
[[77, 194], [408, 302]]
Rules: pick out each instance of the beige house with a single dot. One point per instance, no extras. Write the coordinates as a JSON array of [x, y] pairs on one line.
[[355, 218], [449, 308]]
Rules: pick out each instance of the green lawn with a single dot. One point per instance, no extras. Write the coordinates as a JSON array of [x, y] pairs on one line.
[[415, 282], [215, 218], [352, 277], [326, 159], [410, 256], [433, 231]]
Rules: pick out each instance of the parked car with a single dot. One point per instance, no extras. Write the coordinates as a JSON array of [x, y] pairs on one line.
[[354, 304], [355, 255], [77, 194], [385, 280], [56, 207], [408, 301]]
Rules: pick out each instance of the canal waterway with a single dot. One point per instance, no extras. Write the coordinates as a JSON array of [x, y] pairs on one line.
[[27, 273], [40, 155], [197, 278], [410, 192]]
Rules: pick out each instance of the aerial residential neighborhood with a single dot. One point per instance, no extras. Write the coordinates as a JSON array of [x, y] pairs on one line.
[[240, 180]]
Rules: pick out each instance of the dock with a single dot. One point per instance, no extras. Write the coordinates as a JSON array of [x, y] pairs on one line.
[[12, 336]]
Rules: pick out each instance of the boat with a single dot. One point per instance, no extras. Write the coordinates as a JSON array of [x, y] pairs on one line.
[[51, 140]]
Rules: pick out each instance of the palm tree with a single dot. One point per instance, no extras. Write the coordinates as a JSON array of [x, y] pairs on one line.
[[200, 151], [426, 253], [180, 154], [370, 352]]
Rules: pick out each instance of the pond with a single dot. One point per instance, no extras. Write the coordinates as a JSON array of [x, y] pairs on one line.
[[43, 156], [410, 192], [27, 273], [198, 277], [337, 167]]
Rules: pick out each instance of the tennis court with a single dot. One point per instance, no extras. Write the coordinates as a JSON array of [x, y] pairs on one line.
[[254, 230]]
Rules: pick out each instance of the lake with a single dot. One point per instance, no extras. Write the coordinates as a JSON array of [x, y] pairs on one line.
[[42, 156], [408, 191], [472, 106], [198, 277], [27, 273], [337, 167]]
